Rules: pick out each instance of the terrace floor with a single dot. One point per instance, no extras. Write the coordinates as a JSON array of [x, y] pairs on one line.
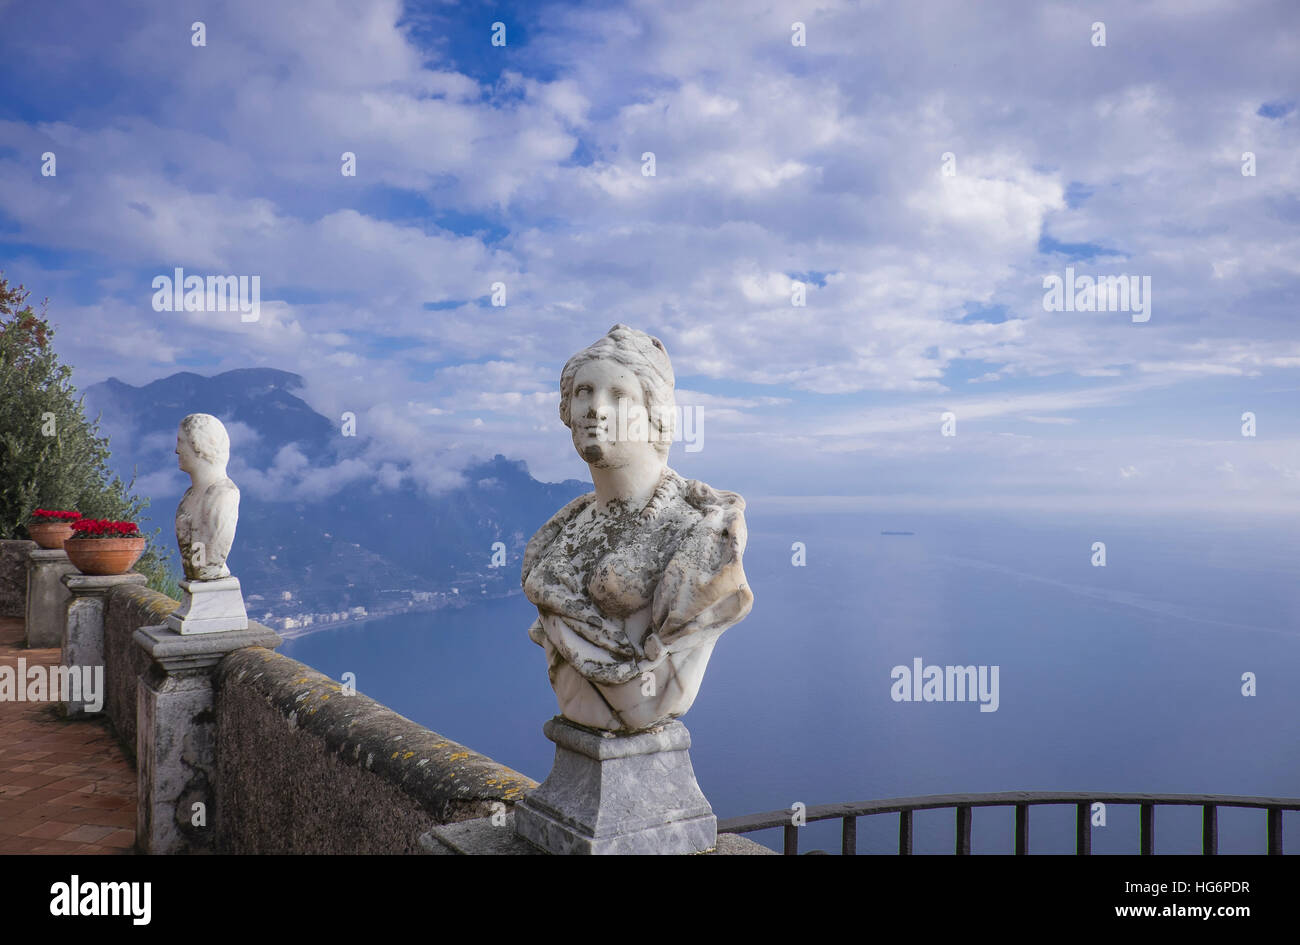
[[65, 786]]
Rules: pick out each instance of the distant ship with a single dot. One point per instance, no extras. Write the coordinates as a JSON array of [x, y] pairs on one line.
[[898, 533]]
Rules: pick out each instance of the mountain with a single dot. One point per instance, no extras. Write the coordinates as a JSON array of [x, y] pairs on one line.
[[362, 545], [260, 398]]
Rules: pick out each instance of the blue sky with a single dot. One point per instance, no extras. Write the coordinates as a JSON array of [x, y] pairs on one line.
[[522, 164]]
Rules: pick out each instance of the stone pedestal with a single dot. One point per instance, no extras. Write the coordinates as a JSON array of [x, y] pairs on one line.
[[47, 596], [618, 795], [83, 632], [176, 735], [209, 607], [488, 836]]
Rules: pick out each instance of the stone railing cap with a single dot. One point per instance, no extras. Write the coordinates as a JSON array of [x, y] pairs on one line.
[[101, 582], [175, 651], [47, 554]]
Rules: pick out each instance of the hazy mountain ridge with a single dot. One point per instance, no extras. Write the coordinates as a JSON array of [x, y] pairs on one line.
[[362, 545]]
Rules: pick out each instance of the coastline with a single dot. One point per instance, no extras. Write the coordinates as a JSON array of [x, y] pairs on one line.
[[298, 633]]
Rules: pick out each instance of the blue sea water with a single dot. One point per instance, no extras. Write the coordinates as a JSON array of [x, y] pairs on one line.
[[1123, 678]]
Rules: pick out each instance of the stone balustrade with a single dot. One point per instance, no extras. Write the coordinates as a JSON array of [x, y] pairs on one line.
[[308, 768], [296, 765]]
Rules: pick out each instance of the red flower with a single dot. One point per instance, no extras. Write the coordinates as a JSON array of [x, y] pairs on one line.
[[47, 515], [104, 528]]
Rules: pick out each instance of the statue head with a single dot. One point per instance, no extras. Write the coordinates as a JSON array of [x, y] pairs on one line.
[[616, 398], [202, 445]]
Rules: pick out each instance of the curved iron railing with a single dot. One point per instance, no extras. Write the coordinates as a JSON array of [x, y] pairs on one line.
[[1021, 801]]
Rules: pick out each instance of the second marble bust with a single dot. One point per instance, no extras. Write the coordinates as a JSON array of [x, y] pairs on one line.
[[209, 510]]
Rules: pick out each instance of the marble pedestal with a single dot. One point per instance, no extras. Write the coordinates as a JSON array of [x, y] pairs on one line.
[[83, 633], [176, 735], [489, 836], [619, 795], [209, 607], [47, 596]]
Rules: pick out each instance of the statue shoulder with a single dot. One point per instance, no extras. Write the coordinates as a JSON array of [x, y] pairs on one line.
[[223, 490], [703, 589], [720, 533], [705, 499], [219, 503], [554, 525]]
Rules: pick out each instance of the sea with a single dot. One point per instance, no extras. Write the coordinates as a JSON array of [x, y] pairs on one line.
[[1169, 663]]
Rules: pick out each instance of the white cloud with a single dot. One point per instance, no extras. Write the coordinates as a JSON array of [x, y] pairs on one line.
[[771, 161]]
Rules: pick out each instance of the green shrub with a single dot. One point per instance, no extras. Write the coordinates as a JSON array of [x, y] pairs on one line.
[[51, 456]]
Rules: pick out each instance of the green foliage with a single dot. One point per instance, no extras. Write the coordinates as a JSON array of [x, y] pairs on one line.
[[162, 578], [51, 456]]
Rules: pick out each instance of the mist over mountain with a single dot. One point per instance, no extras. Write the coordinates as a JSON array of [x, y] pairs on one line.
[[321, 517]]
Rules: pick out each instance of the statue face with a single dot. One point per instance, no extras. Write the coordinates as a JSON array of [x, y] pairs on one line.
[[188, 459], [594, 416]]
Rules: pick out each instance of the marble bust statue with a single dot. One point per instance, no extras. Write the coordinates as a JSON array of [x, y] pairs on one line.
[[209, 510], [634, 582]]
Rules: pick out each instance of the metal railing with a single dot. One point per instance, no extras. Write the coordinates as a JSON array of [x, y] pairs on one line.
[[1021, 801]]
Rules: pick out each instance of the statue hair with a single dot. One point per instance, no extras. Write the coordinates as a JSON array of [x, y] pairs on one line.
[[207, 437]]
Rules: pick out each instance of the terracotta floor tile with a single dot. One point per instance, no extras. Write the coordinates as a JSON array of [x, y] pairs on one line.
[[86, 833], [48, 830], [68, 799], [72, 784], [100, 801], [62, 756], [111, 818], [120, 838], [67, 769], [66, 813], [43, 794], [16, 845], [59, 777], [107, 786], [38, 780], [22, 820], [55, 846]]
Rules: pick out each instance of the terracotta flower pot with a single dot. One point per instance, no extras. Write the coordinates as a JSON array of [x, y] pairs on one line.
[[50, 535], [104, 555]]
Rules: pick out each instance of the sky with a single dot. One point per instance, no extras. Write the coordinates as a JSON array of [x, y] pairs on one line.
[[920, 168]]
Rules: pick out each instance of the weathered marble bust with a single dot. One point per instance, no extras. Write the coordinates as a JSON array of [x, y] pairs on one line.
[[209, 510], [634, 582]]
